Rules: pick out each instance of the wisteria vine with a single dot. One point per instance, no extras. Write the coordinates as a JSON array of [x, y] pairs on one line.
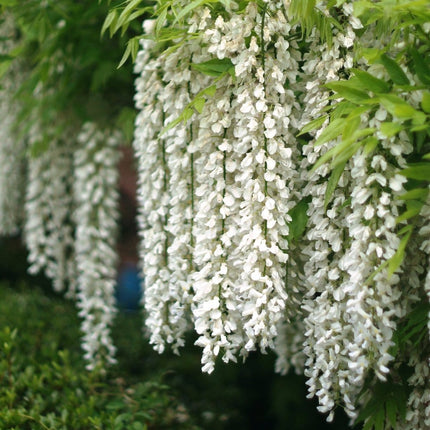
[[250, 283], [282, 156]]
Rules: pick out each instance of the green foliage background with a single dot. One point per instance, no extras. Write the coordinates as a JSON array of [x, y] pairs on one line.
[[44, 383]]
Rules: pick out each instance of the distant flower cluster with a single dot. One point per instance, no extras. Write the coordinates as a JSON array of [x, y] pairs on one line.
[[218, 190], [12, 172], [96, 196], [71, 218], [49, 203]]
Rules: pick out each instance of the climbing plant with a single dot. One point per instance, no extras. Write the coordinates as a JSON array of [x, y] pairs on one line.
[[283, 156]]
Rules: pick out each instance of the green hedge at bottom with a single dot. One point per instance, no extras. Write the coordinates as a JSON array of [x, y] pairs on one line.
[[44, 384]]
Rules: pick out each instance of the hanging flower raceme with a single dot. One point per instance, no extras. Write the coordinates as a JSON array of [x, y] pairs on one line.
[[95, 191], [324, 332], [49, 228], [12, 173], [425, 246], [166, 182], [228, 180], [153, 196], [418, 413], [12, 146]]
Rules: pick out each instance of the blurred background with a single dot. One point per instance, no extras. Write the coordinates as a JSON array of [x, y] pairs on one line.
[[236, 396]]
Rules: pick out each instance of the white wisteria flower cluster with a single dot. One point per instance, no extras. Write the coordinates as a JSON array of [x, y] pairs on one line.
[[48, 227], [275, 210], [71, 218], [214, 192], [222, 177], [96, 196], [12, 172]]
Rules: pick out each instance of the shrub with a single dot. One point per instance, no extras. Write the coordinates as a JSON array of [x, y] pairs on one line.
[[44, 383]]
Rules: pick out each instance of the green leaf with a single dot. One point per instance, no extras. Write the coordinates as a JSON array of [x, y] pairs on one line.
[[38, 148], [419, 171], [209, 91], [110, 20], [189, 8], [380, 419], [390, 129], [332, 183], [195, 105], [397, 106], [371, 83], [313, 125], [396, 73], [115, 405], [362, 6], [132, 4], [420, 137], [351, 126], [161, 20], [414, 329], [131, 50], [404, 111], [4, 67], [370, 144], [413, 208], [421, 66], [125, 56], [125, 122], [345, 155], [391, 409], [346, 90], [331, 132], [370, 54], [369, 424], [425, 102], [120, 420], [418, 128], [299, 220], [347, 148], [341, 109], [415, 194], [199, 104], [357, 111], [187, 114], [101, 75], [396, 260], [214, 67]]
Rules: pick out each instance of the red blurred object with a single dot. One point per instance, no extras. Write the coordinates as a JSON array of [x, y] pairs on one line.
[[128, 237]]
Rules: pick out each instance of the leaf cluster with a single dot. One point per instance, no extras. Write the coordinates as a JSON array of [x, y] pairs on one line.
[[387, 405], [305, 13], [44, 384], [170, 21], [70, 72], [363, 94]]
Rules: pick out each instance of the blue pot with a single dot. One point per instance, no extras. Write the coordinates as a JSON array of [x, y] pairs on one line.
[[129, 287]]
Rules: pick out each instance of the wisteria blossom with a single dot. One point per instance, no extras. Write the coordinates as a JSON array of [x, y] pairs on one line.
[[418, 407], [217, 190], [95, 190], [278, 205], [49, 227], [12, 146]]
